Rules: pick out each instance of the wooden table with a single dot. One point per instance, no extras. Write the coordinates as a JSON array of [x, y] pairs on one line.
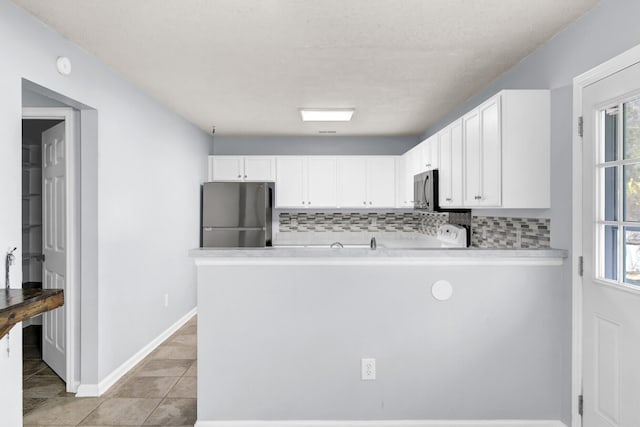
[[17, 305]]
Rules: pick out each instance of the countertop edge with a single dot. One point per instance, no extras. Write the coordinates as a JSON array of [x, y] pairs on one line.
[[317, 256]]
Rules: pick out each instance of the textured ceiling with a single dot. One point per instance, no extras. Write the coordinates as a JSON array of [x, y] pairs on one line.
[[247, 66]]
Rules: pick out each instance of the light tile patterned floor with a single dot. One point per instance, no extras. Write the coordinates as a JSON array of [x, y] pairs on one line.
[[159, 391]]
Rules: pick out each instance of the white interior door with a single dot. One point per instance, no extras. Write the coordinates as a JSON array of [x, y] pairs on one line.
[[611, 250], [54, 244]]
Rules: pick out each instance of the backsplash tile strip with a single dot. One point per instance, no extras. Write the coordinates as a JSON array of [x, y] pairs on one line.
[[487, 231], [358, 221], [505, 232]]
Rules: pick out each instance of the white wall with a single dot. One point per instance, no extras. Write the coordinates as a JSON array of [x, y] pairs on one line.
[[147, 164]]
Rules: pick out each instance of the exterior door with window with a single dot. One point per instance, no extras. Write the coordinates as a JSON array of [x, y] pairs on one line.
[[611, 250]]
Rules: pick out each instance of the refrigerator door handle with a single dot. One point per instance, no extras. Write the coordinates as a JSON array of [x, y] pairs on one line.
[[233, 228]]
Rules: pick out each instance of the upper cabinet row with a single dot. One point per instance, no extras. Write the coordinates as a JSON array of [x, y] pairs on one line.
[[495, 156], [316, 181]]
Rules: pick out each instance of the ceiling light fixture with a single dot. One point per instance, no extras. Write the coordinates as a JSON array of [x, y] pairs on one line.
[[327, 115]]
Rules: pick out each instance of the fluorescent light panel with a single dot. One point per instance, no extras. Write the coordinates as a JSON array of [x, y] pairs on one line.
[[327, 115]]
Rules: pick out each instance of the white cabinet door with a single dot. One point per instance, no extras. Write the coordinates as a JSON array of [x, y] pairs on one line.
[[259, 168], [291, 182], [412, 161], [450, 165], [456, 163], [381, 182], [404, 195], [321, 181], [472, 156], [352, 182], [490, 142], [482, 148], [227, 168], [445, 198], [430, 153]]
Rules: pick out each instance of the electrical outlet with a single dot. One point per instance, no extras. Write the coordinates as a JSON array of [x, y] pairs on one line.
[[166, 300], [368, 369]]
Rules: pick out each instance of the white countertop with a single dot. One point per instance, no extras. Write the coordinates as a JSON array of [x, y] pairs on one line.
[[393, 248]]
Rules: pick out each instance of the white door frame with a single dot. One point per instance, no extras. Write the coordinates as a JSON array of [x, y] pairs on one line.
[[67, 115], [612, 66]]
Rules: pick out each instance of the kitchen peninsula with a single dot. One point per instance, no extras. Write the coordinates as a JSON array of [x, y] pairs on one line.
[[282, 333]]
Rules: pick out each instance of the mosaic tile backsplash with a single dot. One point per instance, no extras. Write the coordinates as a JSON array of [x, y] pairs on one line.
[[504, 232], [361, 221], [487, 232]]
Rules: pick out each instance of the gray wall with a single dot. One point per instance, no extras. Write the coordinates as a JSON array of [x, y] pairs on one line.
[[33, 99], [313, 145], [142, 166], [285, 343]]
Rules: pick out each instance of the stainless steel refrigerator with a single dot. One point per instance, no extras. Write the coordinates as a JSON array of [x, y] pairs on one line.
[[236, 214]]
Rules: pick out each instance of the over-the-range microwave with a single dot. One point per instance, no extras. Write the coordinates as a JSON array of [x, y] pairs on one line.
[[425, 191]]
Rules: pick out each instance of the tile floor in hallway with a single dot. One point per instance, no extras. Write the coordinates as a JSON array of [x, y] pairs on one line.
[[159, 391]]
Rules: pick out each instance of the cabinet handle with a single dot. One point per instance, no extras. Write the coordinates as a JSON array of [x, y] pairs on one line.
[[428, 165], [239, 176], [364, 203], [308, 202], [369, 202], [478, 197], [245, 176], [303, 202], [448, 199]]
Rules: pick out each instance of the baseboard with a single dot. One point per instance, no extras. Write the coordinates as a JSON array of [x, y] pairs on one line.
[[87, 390], [383, 423], [94, 390]]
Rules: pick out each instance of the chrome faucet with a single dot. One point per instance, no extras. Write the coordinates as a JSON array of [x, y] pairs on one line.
[[373, 243], [8, 261], [337, 245]]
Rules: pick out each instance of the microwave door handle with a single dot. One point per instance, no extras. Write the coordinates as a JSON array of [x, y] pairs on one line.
[[425, 191]]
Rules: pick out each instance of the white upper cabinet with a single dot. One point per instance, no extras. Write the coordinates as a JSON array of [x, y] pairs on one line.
[[410, 165], [506, 151], [321, 182], [381, 182], [241, 168], [482, 155], [306, 182], [490, 165], [450, 165], [352, 176], [226, 168], [366, 181], [429, 154], [259, 168], [291, 182]]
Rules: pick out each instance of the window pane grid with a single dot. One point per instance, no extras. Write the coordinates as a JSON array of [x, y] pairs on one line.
[[618, 175]]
